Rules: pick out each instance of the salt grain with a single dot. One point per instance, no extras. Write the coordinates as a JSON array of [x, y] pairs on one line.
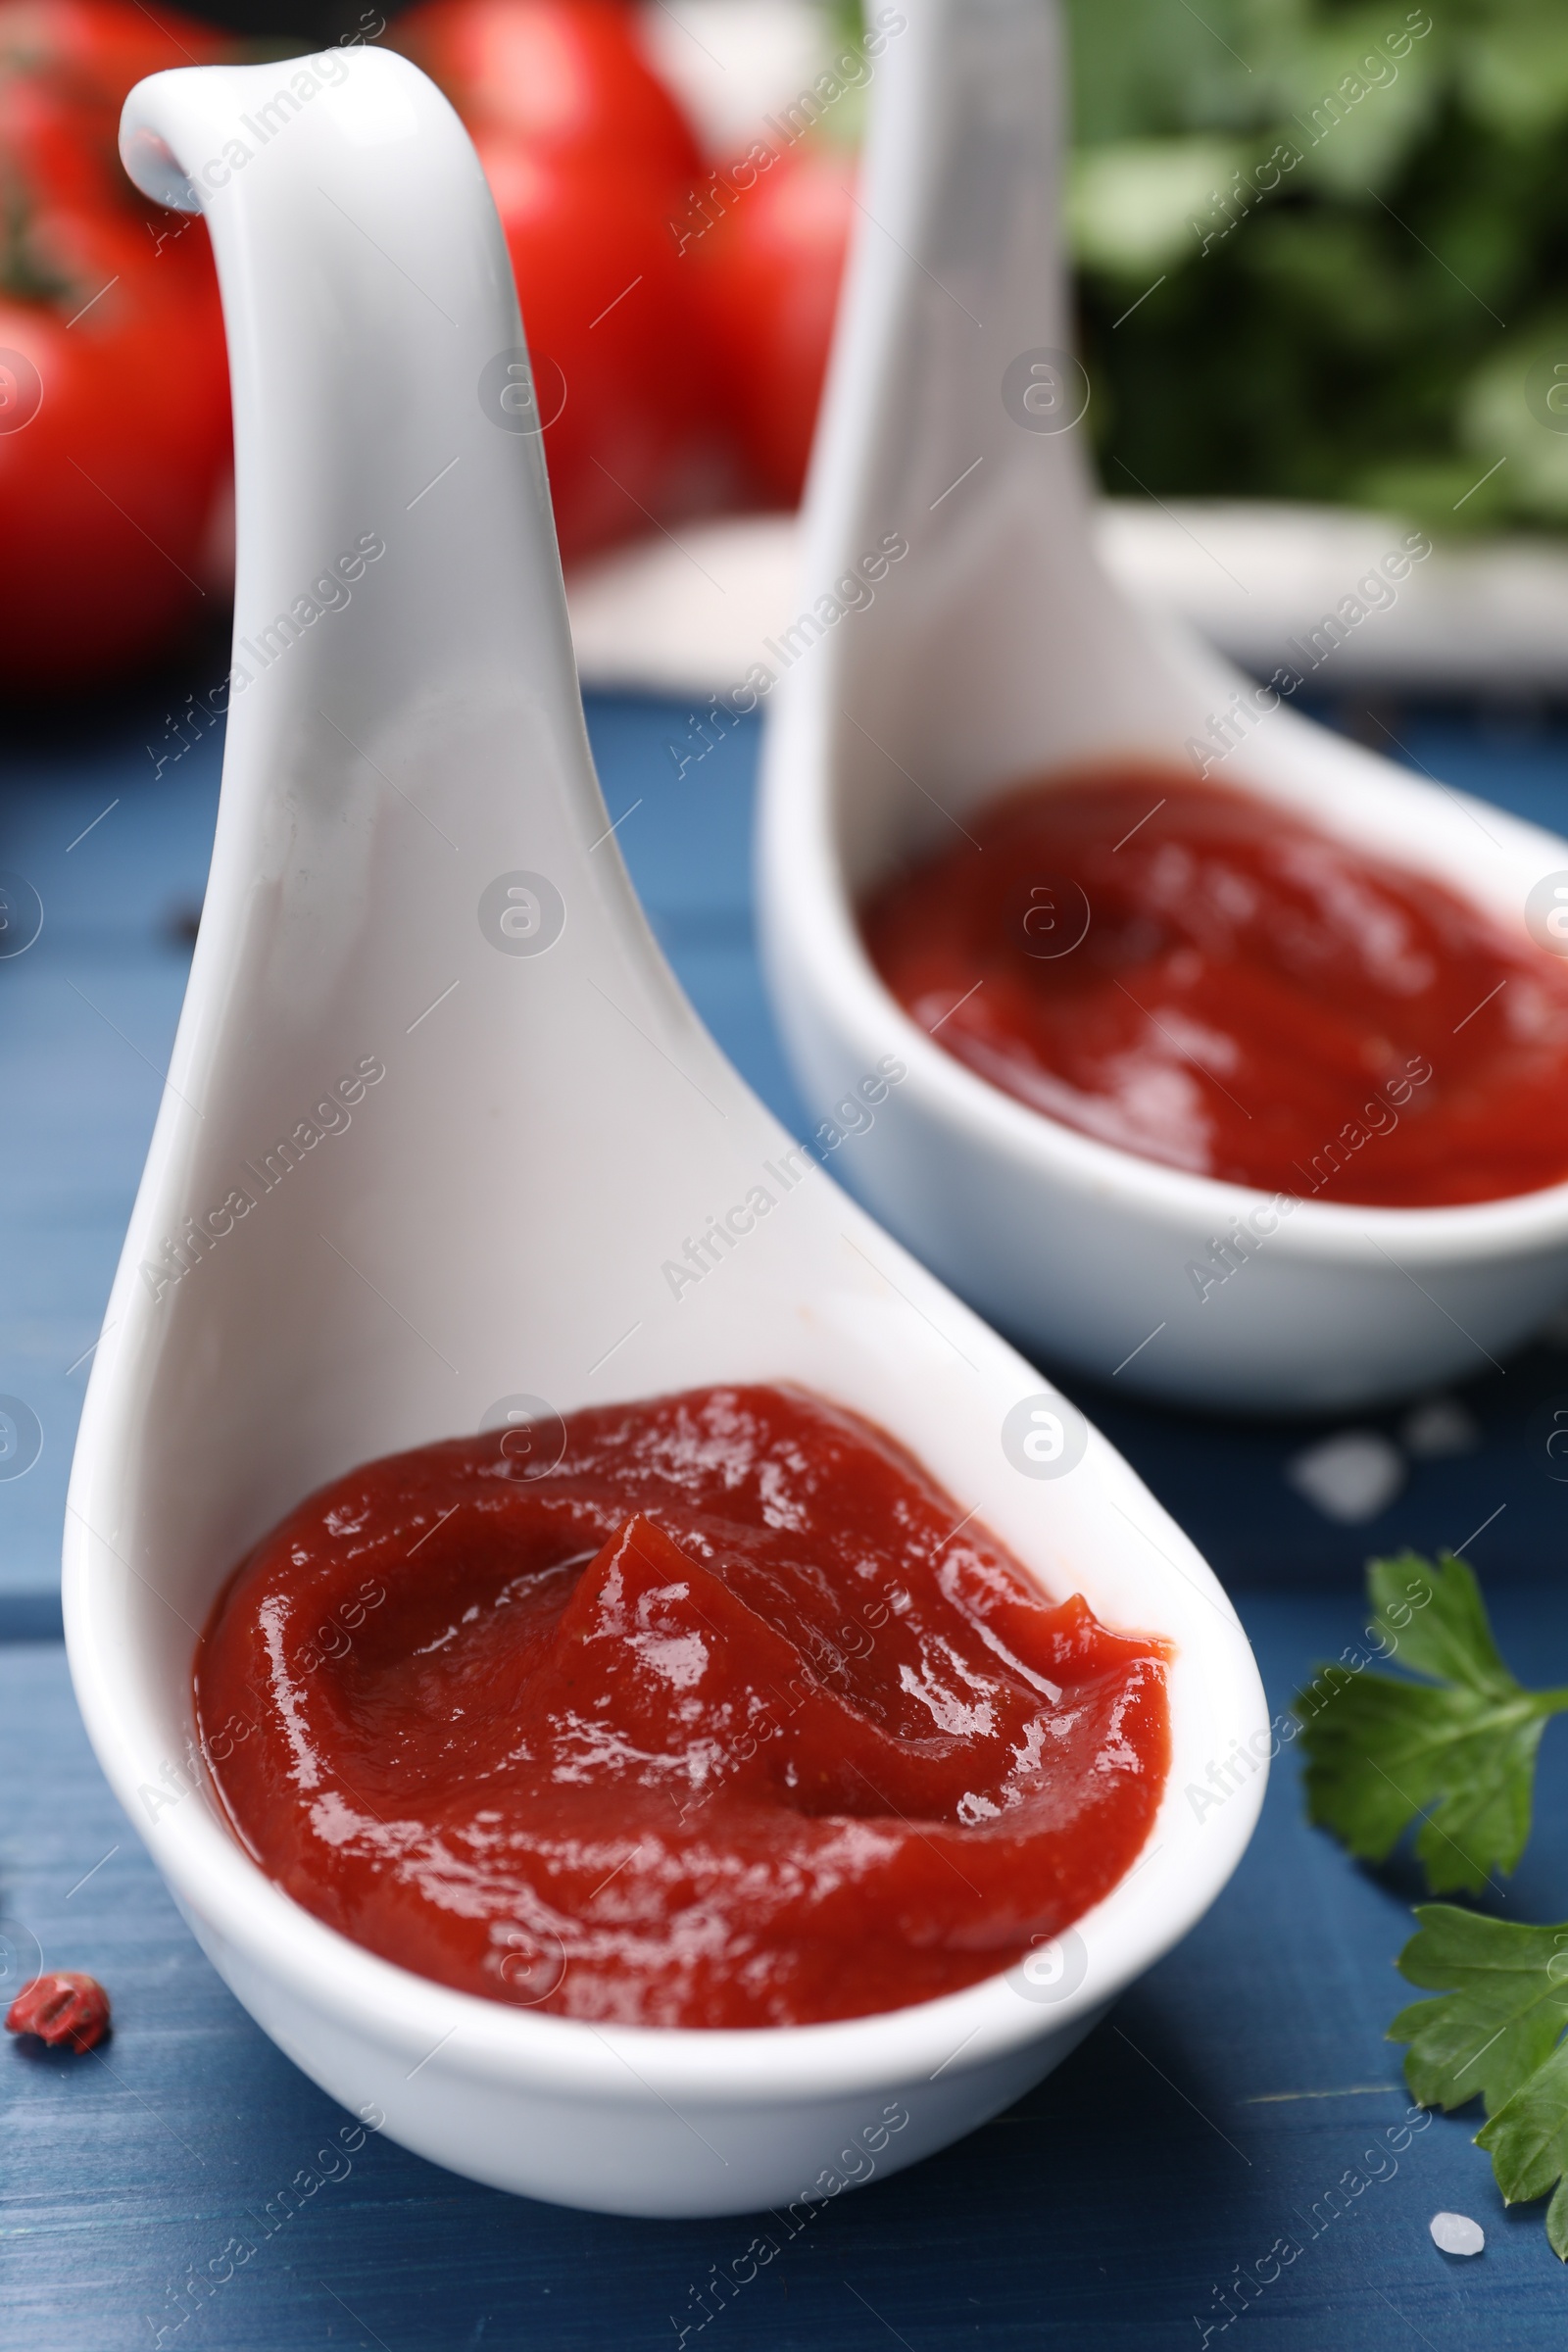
[[1352, 1477], [1457, 2234]]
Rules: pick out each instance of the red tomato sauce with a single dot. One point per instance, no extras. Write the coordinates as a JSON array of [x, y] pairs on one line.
[[724, 1719], [1196, 976]]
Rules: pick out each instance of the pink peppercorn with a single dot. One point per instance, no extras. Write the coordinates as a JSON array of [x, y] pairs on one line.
[[61, 2007]]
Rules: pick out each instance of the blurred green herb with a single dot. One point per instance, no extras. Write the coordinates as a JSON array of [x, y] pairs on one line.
[[1323, 252]]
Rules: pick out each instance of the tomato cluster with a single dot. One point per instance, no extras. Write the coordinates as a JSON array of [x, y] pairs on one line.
[[687, 361], [685, 370]]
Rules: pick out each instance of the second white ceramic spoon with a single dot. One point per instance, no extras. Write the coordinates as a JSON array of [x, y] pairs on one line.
[[996, 648]]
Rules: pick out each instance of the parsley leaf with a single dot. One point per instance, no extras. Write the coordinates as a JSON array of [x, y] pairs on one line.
[[1506, 2005], [1496, 2031], [1458, 1748]]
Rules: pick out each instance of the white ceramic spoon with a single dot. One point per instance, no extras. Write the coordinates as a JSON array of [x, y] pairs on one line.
[[415, 891], [998, 648]]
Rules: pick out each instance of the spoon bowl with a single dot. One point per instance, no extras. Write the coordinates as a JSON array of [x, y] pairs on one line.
[[996, 648], [438, 1131]]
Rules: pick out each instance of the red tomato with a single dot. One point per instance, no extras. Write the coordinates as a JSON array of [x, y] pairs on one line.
[[114, 394], [609, 310], [557, 74], [97, 50], [65, 68], [52, 149], [771, 268], [114, 447]]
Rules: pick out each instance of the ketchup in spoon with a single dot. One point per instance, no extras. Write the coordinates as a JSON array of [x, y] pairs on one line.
[[1200, 977], [727, 1719]]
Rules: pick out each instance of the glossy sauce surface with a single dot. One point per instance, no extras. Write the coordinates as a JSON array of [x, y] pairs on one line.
[[1198, 978], [719, 1722]]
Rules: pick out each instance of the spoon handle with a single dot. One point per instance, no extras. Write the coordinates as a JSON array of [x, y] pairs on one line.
[[958, 273], [396, 558], [956, 434]]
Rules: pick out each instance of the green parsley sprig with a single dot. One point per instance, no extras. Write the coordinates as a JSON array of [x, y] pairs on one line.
[[1496, 2033], [1456, 1747]]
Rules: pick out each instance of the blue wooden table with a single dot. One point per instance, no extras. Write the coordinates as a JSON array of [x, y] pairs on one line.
[[186, 2187]]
